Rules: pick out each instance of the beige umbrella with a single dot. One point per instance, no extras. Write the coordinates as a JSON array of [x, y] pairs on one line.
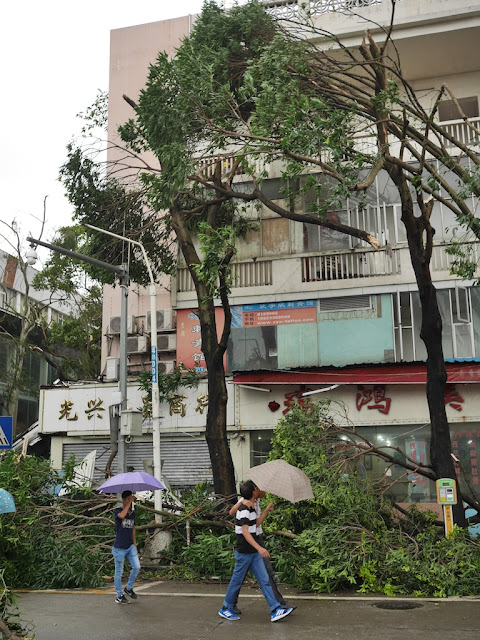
[[282, 479]]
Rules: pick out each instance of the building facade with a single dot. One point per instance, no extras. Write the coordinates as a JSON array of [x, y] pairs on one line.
[[315, 310], [15, 285]]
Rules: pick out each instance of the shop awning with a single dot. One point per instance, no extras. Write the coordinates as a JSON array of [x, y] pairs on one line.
[[416, 373]]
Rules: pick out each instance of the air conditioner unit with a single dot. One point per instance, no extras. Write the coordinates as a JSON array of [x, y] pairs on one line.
[[167, 342], [112, 369], [138, 344], [166, 366], [115, 323], [166, 320]]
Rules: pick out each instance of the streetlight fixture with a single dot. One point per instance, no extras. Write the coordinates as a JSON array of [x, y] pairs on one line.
[[157, 470]]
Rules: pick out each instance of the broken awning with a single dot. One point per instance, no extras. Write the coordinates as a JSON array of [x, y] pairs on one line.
[[465, 372]]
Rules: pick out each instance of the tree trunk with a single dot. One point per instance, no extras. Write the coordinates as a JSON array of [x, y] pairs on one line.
[[214, 351], [420, 241]]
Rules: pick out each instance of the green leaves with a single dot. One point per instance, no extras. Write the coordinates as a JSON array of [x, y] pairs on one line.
[[218, 247]]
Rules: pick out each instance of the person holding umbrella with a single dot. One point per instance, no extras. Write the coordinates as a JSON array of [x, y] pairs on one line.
[[125, 544], [249, 556], [258, 494], [125, 547]]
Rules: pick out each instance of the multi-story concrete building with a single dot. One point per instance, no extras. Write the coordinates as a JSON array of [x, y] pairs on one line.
[[314, 309], [15, 284]]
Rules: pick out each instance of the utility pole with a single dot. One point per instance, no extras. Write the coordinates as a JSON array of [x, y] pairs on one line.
[[157, 464], [124, 281]]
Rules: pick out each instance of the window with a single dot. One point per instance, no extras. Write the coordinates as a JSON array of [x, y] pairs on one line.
[[260, 446], [457, 326], [345, 303], [448, 110]]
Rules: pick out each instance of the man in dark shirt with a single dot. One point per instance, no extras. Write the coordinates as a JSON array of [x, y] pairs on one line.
[[125, 547], [249, 555]]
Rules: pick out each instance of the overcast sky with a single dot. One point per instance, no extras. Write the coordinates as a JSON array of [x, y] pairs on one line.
[[55, 58]]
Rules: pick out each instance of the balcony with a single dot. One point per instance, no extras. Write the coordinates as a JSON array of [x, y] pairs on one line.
[[290, 9], [350, 265], [462, 132], [254, 273], [288, 277]]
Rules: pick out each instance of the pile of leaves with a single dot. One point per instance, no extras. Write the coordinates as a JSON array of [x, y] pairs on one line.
[[350, 536]]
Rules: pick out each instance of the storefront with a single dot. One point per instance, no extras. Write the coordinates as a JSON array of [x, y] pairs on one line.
[[385, 404]]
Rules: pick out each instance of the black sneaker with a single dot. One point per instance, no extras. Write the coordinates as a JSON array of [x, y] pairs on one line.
[[236, 610], [131, 593], [122, 600]]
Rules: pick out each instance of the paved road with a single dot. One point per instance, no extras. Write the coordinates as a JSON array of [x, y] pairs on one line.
[[179, 611]]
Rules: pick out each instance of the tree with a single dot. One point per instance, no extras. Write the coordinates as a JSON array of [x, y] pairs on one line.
[[75, 343], [242, 88], [71, 348]]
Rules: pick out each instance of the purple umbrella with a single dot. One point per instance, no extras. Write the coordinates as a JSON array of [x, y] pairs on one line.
[[131, 481]]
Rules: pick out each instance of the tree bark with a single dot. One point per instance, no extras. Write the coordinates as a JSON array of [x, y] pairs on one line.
[[420, 241], [214, 351]]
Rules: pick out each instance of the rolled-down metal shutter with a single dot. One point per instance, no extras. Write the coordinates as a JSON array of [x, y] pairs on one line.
[[185, 463]]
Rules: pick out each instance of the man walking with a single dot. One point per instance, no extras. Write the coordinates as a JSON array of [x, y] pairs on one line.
[[125, 546], [258, 494], [249, 555]]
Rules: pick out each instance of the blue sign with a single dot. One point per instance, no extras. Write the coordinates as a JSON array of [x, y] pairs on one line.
[[6, 432], [270, 306], [154, 365]]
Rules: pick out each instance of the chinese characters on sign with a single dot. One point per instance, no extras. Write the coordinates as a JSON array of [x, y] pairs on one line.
[[179, 406], [453, 398], [202, 402], [189, 339], [464, 449], [375, 396], [276, 313], [296, 397], [67, 411]]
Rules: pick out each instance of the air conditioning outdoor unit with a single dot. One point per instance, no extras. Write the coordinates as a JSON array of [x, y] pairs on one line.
[[166, 366], [115, 323], [166, 320], [167, 342], [112, 369], [138, 344]]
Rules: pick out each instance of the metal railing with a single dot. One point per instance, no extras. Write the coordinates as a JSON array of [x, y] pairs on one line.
[[461, 131], [442, 261], [254, 273], [290, 9], [350, 265]]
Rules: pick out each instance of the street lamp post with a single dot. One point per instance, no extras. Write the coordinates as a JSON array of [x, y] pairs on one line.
[[122, 273], [153, 346]]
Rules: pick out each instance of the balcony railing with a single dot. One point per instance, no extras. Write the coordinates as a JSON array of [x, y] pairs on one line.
[[290, 9], [254, 273], [462, 132], [207, 166], [442, 261], [350, 265]]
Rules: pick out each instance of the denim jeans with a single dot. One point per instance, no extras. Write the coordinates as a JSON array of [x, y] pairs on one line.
[[132, 556], [271, 576], [254, 562]]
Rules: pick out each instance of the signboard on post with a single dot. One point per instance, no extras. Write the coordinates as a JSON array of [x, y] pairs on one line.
[[6, 432], [447, 497], [154, 364]]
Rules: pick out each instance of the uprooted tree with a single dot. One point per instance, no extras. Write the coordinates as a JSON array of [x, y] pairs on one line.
[[244, 91]]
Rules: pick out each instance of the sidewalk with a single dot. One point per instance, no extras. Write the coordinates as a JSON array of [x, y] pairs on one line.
[[185, 611]]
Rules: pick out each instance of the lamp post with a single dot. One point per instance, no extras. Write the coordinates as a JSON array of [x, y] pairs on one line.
[[122, 273], [153, 347]]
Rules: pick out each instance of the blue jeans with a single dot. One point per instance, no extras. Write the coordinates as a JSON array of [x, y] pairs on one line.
[[132, 556], [254, 562]]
